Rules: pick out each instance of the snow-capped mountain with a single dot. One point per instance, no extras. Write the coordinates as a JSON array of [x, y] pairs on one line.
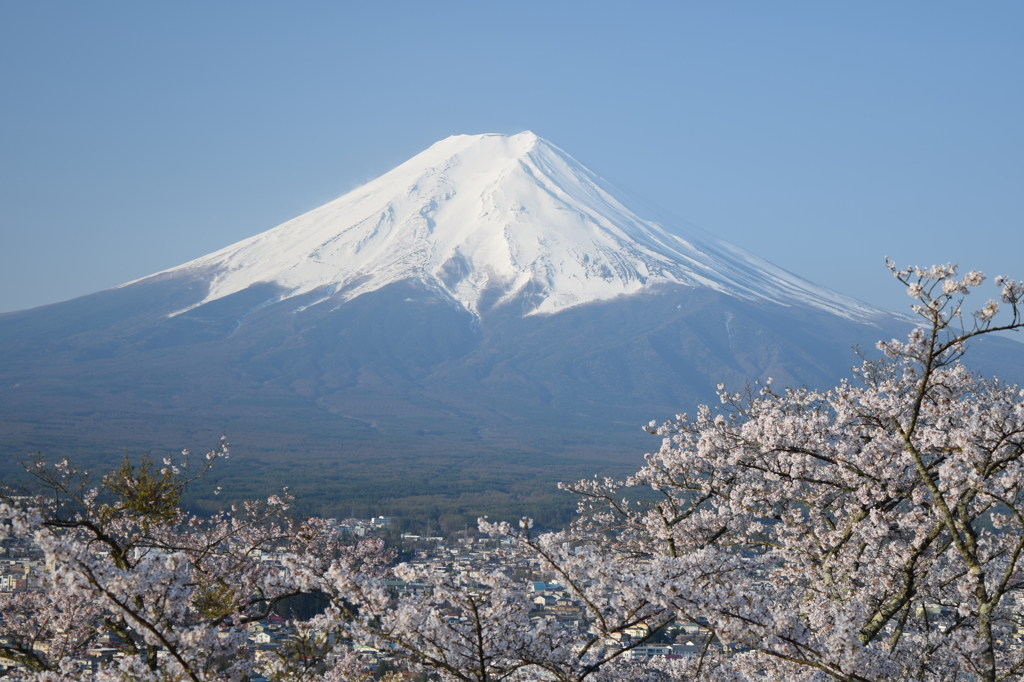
[[487, 315], [491, 218]]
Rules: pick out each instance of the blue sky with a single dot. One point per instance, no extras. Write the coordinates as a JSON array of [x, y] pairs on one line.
[[820, 136]]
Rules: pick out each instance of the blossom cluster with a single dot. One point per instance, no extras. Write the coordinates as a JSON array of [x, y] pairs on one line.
[[871, 532]]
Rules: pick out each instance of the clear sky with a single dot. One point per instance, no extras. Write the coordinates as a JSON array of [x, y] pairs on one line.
[[820, 136]]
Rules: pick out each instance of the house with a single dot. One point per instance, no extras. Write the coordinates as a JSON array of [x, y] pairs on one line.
[[691, 648], [537, 586], [646, 653], [11, 582], [264, 638], [638, 631]]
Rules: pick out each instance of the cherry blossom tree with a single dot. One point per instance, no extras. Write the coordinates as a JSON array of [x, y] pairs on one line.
[[871, 532], [176, 590], [481, 628]]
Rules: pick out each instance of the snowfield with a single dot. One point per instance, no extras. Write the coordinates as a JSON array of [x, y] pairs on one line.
[[489, 218]]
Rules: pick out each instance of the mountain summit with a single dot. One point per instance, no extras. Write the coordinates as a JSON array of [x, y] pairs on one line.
[[490, 219], [484, 320]]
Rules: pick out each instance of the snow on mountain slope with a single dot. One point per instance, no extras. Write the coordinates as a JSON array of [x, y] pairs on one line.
[[487, 218]]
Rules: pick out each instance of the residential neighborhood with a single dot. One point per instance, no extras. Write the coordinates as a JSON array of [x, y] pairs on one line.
[[466, 555]]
